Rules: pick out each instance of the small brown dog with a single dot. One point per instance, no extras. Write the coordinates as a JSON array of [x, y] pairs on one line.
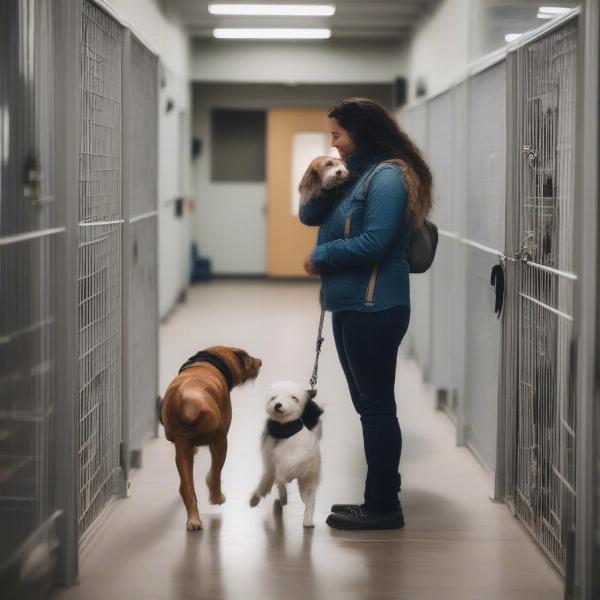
[[196, 411], [323, 173]]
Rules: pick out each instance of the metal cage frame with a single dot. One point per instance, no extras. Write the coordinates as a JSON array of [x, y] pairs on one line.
[[540, 414], [47, 237]]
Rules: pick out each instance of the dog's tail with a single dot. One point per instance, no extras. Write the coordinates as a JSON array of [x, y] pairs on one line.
[[195, 409]]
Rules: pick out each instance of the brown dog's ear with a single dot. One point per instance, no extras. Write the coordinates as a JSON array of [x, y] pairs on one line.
[[310, 184], [242, 356]]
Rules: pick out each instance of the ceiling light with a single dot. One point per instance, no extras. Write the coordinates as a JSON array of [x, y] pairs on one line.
[[271, 34], [549, 12], [511, 37], [282, 10]]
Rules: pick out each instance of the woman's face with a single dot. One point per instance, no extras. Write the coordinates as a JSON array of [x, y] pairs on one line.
[[340, 139]]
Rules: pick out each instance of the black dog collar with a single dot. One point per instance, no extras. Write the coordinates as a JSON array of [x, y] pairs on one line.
[[282, 431], [309, 419], [213, 359]]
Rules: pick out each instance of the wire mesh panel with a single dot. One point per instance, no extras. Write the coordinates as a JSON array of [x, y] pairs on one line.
[[545, 485], [484, 235], [482, 356], [486, 159], [99, 262], [143, 129], [508, 385], [141, 261], [446, 355], [28, 266], [414, 122], [143, 326], [27, 330]]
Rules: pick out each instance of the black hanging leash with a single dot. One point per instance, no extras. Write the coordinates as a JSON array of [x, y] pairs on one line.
[[313, 379], [497, 280]]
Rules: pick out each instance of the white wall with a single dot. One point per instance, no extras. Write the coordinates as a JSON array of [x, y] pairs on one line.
[[166, 37], [439, 48], [294, 62], [170, 41], [174, 182]]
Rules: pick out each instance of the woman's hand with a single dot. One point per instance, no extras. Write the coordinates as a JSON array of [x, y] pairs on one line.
[[310, 268]]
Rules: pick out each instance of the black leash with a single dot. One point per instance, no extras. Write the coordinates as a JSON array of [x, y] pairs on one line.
[[313, 379]]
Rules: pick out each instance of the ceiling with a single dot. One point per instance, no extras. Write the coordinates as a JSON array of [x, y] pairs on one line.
[[500, 17], [354, 19]]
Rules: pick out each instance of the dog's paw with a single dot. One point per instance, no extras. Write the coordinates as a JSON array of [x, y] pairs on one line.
[[218, 498], [194, 524], [254, 500], [308, 523]]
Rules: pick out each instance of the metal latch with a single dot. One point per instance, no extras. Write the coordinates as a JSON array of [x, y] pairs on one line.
[[528, 247], [531, 153], [33, 177]]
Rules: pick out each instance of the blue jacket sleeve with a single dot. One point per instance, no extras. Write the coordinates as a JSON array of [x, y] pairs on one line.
[[384, 211], [315, 210]]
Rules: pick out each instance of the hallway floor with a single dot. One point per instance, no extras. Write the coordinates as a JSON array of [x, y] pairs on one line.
[[457, 544]]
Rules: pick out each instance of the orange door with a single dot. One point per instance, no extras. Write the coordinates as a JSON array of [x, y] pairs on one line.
[[291, 134]]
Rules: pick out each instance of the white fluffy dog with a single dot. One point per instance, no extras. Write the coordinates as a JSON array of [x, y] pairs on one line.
[[290, 446]]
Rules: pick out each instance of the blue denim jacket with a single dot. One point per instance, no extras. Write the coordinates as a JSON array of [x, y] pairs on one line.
[[362, 245]]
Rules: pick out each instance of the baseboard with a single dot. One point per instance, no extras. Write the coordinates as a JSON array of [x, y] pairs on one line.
[[261, 277], [489, 473], [248, 276]]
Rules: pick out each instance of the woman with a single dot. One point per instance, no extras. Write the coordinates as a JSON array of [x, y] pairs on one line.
[[361, 257]]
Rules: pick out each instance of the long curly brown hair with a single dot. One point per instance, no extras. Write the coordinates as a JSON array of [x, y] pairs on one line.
[[375, 132]]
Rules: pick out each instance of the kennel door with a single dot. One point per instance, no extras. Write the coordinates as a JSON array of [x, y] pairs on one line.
[[546, 417]]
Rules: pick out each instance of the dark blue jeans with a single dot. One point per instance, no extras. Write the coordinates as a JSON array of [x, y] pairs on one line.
[[367, 345]]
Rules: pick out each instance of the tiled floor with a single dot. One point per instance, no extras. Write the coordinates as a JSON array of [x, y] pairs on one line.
[[457, 544]]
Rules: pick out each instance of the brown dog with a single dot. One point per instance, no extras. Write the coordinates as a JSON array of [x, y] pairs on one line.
[[196, 411], [323, 173]]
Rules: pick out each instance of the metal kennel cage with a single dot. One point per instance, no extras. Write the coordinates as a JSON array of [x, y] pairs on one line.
[[541, 340]]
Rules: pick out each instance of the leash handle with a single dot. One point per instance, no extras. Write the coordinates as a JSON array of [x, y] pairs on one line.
[[313, 379]]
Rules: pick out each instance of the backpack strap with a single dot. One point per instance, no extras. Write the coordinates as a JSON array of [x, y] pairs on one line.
[[376, 169], [362, 197]]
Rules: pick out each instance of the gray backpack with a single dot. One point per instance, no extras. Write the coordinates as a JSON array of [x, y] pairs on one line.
[[422, 247], [423, 242]]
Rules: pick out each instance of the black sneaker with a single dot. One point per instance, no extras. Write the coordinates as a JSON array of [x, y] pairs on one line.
[[359, 517], [344, 508]]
